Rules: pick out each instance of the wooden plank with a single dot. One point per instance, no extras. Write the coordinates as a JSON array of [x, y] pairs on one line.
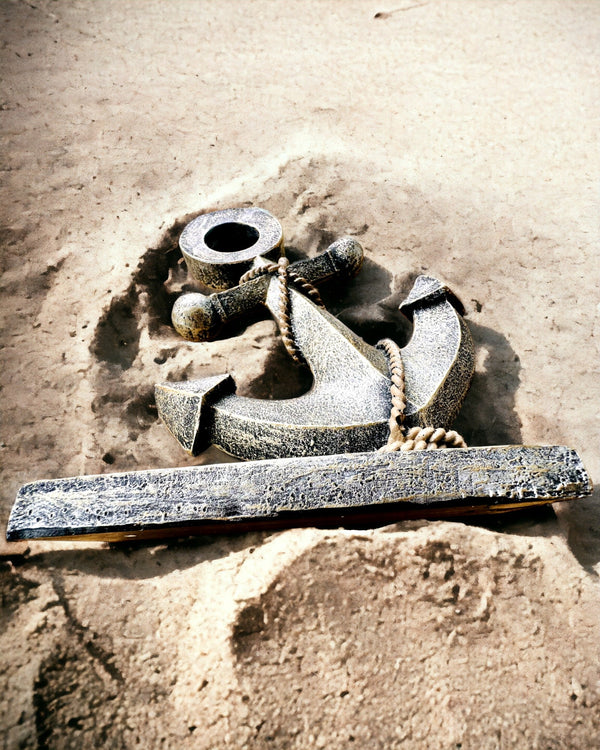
[[204, 498]]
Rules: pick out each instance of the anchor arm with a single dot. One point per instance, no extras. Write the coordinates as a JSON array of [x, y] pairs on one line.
[[347, 408], [439, 359]]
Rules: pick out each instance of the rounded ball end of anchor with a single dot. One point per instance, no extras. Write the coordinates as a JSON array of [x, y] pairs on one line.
[[347, 256], [195, 318]]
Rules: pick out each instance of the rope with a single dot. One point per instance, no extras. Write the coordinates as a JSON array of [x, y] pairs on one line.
[[285, 276], [416, 438]]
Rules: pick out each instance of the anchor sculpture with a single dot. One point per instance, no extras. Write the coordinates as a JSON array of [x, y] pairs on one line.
[[318, 458], [348, 407]]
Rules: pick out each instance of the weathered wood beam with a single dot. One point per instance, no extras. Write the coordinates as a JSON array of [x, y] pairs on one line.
[[296, 491]]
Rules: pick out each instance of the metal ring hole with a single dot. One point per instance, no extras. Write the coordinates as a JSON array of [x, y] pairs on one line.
[[231, 237]]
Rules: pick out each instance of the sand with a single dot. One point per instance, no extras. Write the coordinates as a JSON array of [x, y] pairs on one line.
[[457, 139]]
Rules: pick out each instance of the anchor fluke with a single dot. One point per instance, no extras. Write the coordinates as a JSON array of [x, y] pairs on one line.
[[426, 290], [182, 407]]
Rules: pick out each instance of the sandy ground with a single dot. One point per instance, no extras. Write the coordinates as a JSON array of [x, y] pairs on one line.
[[457, 139]]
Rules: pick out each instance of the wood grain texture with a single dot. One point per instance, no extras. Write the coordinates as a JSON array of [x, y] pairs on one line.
[[146, 502]]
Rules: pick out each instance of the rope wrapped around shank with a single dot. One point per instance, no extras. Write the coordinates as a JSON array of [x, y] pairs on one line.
[[286, 277], [415, 438]]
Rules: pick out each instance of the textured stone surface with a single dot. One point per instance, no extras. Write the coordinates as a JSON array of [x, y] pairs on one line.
[[206, 244], [421, 484], [453, 139]]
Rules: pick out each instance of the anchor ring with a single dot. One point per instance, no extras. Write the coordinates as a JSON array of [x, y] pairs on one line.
[[221, 246]]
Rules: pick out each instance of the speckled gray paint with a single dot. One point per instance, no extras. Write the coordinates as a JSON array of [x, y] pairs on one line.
[[221, 269], [348, 406], [347, 409], [138, 503]]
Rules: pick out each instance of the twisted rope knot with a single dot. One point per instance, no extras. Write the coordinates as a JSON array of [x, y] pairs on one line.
[[285, 277], [415, 438]]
